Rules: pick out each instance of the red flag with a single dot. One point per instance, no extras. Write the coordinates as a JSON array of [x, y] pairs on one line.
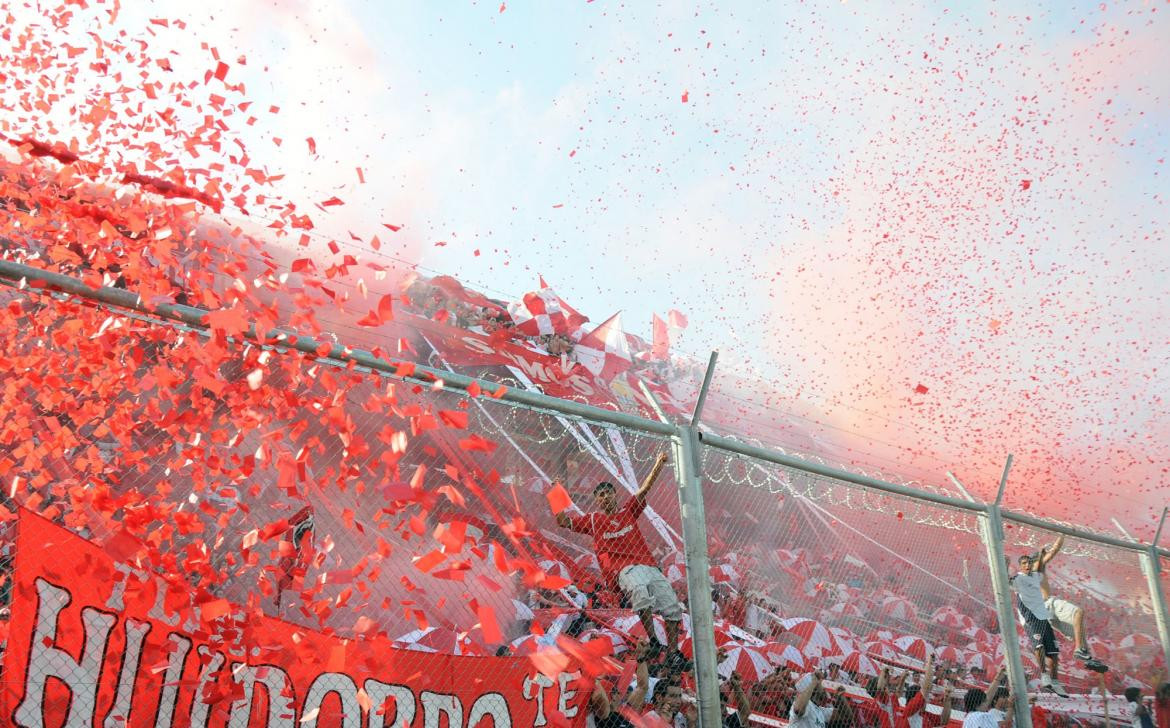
[[661, 348]]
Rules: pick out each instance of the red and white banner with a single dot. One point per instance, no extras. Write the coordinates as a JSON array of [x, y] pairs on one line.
[[94, 642]]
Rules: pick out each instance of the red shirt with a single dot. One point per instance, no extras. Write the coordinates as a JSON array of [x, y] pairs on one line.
[[616, 539], [1162, 712], [915, 708]]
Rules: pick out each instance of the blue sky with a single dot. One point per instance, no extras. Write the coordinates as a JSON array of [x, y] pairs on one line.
[[854, 199]]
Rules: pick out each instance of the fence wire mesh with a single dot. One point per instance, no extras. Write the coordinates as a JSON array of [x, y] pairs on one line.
[[345, 503], [831, 576], [413, 522], [1098, 599]]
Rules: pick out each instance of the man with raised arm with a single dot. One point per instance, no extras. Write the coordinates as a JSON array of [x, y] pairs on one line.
[[1066, 617], [915, 714], [811, 708], [626, 560], [1034, 614], [991, 709]]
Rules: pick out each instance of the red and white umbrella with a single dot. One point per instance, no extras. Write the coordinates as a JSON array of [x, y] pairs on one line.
[[915, 647], [859, 663], [631, 626], [882, 650], [880, 635], [947, 653], [737, 633], [617, 641], [978, 634], [898, 608], [982, 661], [1136, 640], [722, 637], [846, 640], [952, 618], [846, 609], [555, 568], [815, 638], [782, 655], [751, 664]]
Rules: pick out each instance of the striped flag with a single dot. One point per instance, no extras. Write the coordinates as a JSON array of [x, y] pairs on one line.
[[605, 352]]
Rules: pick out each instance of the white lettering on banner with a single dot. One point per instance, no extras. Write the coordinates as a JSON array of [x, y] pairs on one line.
[[169, 697], [46, 660], [436, 704], [84, 677], [279, 687], [346, 690], [565, 679], [200, 709], [492, 705], [119, 714], [534, 369], [114, 601], [380, 694], [540, 681]]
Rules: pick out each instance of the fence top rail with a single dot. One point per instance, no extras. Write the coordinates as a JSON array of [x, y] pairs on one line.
[[197, 318], [1073, 531], [760, 453]]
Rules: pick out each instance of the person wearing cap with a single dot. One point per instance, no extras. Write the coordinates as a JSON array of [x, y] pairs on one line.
[[810, 709], [1033, 611], [628, 564], [1066, 617]]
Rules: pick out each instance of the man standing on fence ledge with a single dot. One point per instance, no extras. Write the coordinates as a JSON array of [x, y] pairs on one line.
[[626, 560], [1034, 614], [1066, 617]]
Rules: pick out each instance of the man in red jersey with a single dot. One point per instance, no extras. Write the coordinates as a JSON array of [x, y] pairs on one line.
[[626, 560]]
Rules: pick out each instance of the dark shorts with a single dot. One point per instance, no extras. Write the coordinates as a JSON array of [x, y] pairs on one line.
[[1040, 632]]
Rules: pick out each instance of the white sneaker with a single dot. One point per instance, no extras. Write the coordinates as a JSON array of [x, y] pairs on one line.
[[1057, 688]]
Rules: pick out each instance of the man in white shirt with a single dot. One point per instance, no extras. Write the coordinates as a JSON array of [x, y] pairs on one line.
[[989, 711], [1035, 615], [809, 710], [1066, 617]]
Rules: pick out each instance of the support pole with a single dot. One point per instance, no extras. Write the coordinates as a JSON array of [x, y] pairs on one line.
[[1151, 565], [960, 486], [991, 530], [688, 464], [1007, 468], [703, 392]]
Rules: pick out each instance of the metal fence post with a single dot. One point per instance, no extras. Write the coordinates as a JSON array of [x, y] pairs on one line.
[[991, 530], [694, 527], [1151, 564]]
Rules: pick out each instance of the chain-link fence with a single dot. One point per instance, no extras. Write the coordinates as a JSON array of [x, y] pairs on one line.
[[338, 539]]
